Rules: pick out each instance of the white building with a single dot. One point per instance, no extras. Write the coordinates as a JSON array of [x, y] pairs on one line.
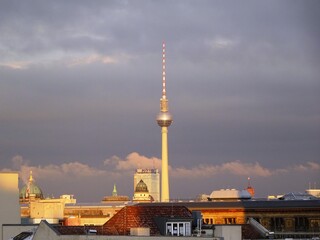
[[314, 192], [151, 178], [9, 197], [229, 194]]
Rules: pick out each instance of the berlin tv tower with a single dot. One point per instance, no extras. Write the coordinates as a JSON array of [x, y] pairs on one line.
[[164, 120]]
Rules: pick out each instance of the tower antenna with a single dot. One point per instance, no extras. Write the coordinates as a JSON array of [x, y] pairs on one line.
[[163, 70], [164, 101]]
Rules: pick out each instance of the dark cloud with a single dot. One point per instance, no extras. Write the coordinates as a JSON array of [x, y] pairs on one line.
[[81, 82]]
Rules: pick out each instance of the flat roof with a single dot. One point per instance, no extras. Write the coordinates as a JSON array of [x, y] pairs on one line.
[[247, 204]]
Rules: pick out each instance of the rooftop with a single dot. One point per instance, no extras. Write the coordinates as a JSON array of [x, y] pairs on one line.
[[225, 194]]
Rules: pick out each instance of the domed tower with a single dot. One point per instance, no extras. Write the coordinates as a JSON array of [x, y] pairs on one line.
[[30, 191], [141, 193], [164, 120]]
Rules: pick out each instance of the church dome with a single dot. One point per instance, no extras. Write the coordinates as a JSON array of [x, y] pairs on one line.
[[141, 187], [30, 189], [141, 193]]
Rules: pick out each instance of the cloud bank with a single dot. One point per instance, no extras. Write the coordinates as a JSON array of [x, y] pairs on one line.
[[116, 170]]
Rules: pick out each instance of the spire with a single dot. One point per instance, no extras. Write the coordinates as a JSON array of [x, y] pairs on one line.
[[163, 70], [164, 100], [28, 190], [30, 177], [114, 192]]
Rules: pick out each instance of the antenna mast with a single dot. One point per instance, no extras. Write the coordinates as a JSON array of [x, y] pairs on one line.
[[163, 70], [164, 100]]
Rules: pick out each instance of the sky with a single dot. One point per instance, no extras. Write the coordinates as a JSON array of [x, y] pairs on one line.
[[80, 84]]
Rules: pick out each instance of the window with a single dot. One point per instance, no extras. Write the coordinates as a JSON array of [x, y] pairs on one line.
[[169, 229], [230, 221], [175, 229], [188, 229], [277, 224], [301, 224], [315, 225], [208, 221], [178, 228]]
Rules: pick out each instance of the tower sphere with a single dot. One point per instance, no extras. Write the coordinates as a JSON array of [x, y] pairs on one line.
[[164, 119]]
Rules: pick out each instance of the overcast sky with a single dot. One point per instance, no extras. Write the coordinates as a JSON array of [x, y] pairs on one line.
[[80, 84]]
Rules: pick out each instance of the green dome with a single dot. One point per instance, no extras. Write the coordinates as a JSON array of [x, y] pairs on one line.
[[141, 187], [30, 189]]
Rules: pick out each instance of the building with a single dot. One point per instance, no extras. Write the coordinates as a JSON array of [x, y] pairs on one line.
[[73, 214], [66, 210], [9, 195], [229, 195], [151, 178], [52, 232], [279, 218], [50, 209], [164, 120], [30, 191], [292, 218], [250, 189], [160, 219], [115, 197], [141, 193], [285, 218], [314, 192], [93, 214]]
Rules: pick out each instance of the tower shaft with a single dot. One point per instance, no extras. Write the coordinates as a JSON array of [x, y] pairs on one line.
[[164, 165]]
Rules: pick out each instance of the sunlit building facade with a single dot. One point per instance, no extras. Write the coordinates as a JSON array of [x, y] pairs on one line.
[[9, 198], [151, 178]]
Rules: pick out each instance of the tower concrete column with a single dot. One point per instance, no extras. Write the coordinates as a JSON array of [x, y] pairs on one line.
[[164, 166]]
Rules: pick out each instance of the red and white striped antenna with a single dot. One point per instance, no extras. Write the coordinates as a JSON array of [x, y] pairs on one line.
[[163, 70], [164, 100]]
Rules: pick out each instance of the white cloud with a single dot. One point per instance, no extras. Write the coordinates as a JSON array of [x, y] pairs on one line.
[[52, 171], [307, 167], [239, 168], [116, 166], [133, 161], [57, 57], [221, 43], [93, 58], [18, 65], [233, 168]]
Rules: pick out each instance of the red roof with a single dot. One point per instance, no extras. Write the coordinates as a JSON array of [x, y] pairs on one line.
[[142, 216]]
